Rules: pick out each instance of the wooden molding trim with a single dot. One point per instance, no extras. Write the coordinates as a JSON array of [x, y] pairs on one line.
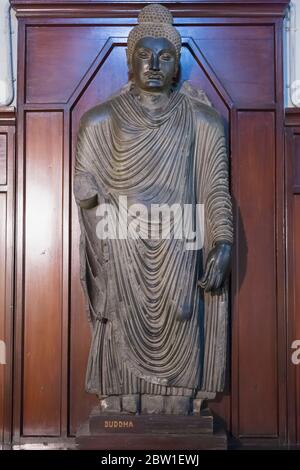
[[7, 116], [292, 117], [190, 8]]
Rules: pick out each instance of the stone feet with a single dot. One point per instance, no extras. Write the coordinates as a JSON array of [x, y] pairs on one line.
[[158, 404], [120, 404], [150, 404]]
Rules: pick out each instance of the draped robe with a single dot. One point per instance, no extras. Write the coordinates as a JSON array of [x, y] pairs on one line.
[[154, 331]]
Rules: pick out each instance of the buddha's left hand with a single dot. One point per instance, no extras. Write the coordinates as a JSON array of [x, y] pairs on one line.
[[217, 267]]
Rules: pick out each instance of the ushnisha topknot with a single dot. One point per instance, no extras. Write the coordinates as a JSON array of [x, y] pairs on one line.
[[155, 21], [155, 13]]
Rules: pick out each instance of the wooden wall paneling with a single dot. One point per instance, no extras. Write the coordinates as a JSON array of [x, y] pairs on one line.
[[296, 164], [9, 320], [296, 255], [19, 236], [255, 289], [235, 53], [291, 375], [7, 157], [54, 426], [3, 158], [250, 35], [104, 8], [276, 405], [3, 223], [292, 148], [66, 170], [280, 233], [55, 48], [43, 274]]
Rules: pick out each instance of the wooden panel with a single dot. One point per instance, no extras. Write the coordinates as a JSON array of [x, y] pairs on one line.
[[7, 136], [3, 158], [199, 74], [236, 53], [43, 274], [216, 8], [292, 158], [296, 279], [102, 84], [255, 290], [61, 56], [293, 215], [2, 306], [296, 163]]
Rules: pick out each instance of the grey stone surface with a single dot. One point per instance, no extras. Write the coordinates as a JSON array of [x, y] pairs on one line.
[[177, 405], [153, 404], [158, 310], [131, 403], [197, 404], [111, 404]]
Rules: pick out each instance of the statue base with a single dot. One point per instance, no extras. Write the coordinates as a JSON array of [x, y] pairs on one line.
[[151, 432]]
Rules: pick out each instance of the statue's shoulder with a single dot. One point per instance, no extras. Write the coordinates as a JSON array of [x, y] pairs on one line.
[[97, 114], [201, 105], [207, 114]]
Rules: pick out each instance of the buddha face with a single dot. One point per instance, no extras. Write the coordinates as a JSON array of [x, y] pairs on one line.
[[154, 64]]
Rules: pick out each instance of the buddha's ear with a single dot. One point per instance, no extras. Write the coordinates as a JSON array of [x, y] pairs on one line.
[[177, 68], [128, 61], [178, 63]]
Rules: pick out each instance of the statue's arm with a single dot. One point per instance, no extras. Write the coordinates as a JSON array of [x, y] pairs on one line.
[[86, 190], [85, 186], [218, 208]]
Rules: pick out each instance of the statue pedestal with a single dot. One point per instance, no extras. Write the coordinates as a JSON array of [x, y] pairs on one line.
[[151, 432]]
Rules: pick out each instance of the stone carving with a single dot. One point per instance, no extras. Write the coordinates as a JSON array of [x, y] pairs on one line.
[[158, 310]]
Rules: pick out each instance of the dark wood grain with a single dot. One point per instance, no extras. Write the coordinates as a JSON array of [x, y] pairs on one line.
[[151, 424], [7, 137], [235, 53], [292, 149], [3, 157], [2, 305], [152, 432], [43, 274], [296, 152], [140, 442], [297, 307], [256, 283], [53, 53], [106, 8]]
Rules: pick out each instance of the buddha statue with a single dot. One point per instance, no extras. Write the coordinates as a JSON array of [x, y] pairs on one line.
[[158, 307]]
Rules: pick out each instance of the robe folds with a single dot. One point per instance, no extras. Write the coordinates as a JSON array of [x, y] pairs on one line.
[[154, 330]]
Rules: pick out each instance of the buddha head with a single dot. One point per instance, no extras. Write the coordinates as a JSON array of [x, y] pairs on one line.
[[153, 51]]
